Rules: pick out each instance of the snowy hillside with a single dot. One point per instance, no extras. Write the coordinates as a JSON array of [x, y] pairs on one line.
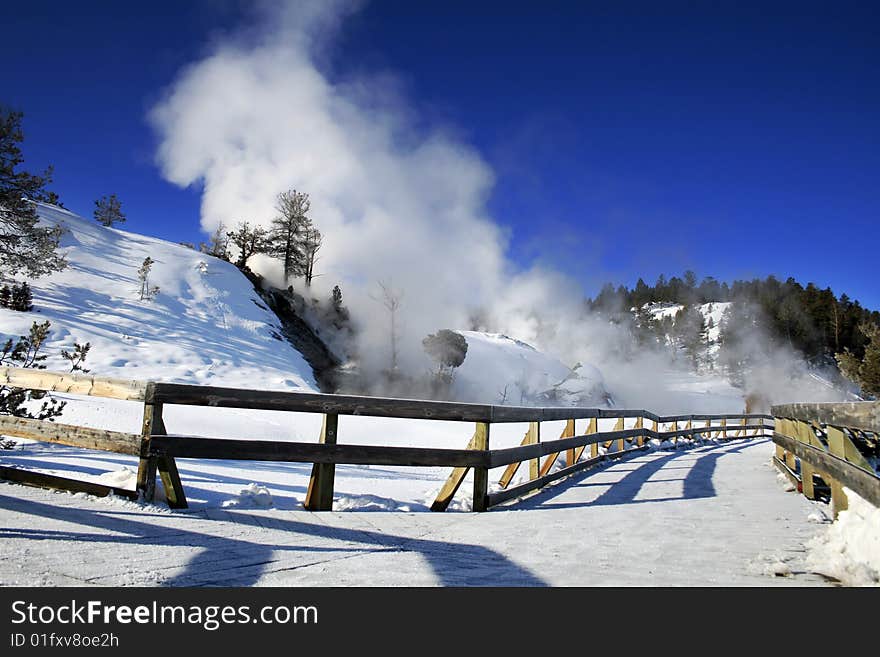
[[205, 326], [712, 313], [501, 370]]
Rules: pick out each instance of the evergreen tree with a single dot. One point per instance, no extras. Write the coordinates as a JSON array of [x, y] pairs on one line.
[[336, 298], [25, 246], [249, 240], [289, 231], [865, 371], [689, 330], [108, 211], [448, 349], [218, 246], [21, 298]]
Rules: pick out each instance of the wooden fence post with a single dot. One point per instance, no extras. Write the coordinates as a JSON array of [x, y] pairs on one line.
[[481, 475], [152, 423], [534, 439], [320, 492], [618, 426], [592, 428], [453, 482], [724, 428], [640, 424], [569, 433]]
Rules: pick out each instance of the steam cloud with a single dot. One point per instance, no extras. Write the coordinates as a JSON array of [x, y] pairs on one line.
[[257, 116]]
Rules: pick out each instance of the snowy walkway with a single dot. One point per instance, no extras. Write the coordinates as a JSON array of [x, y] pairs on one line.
[[712, 515]]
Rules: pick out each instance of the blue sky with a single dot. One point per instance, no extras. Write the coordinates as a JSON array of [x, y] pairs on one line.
[[627, 139]]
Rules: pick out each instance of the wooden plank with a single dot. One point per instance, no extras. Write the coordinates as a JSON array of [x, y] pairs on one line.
[[174, 493], [839, 501], [173, 393], [452, 483], [146, 476], [864, 483], [789, 455], [319, 496], [68, 434], [858, 415], [481, 474], [510, 471], [75, 384], [322, 453], [569, 413], [594, 447], [804, 435], [44, 480]]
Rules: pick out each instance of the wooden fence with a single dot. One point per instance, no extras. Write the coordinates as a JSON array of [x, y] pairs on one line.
[[158, 450], [823, 448]]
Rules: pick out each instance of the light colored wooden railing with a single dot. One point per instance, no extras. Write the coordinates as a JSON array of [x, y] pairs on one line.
[[826, 447], [158, 451]]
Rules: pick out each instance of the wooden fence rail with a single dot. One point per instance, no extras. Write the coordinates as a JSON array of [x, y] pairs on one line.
[[158, 450], [826, 447]]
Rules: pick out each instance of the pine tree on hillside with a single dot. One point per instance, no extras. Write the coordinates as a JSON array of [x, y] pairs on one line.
[[311, 244], [218, 246], [25, 246], [249, 240], [287, 237], [689, 330], [108, 211], [865, 371]]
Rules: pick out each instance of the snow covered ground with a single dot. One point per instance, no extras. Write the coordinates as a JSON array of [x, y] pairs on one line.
[[502, 370], [714, 515], [208, 326]]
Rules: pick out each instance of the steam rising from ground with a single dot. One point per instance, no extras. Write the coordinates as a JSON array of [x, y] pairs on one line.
[[258, 116]]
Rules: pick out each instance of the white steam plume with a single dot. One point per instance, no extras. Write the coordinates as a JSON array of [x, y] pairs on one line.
[[258, 116]]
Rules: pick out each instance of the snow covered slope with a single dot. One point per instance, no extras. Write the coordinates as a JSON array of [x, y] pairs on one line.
[[501, 370], [205, 326]]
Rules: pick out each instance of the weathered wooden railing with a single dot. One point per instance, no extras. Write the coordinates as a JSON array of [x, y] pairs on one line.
[[158, 450], [826, 447]]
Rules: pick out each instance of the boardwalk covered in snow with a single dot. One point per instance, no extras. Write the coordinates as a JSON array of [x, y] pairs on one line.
[[711, 515]]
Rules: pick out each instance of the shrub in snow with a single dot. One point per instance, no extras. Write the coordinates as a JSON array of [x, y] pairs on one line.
[[147, 293], [25, 352], [17, 297]]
